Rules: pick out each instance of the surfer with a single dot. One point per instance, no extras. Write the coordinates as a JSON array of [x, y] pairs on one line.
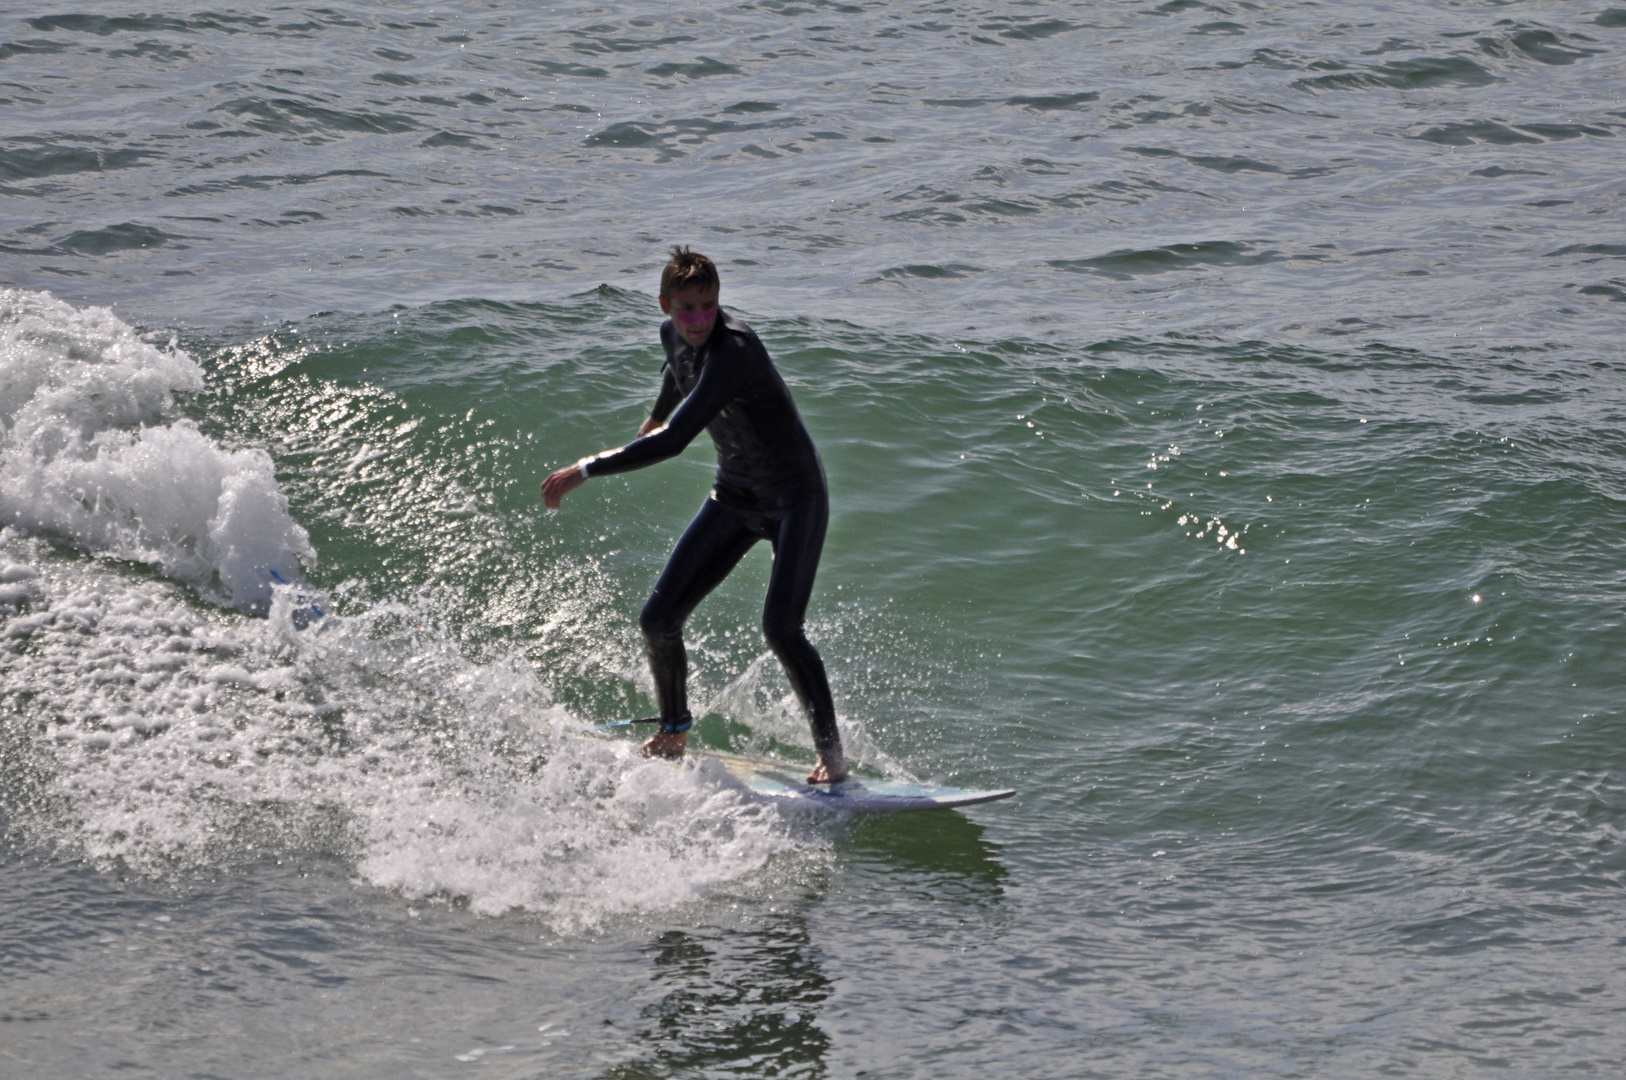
[[770, 486]]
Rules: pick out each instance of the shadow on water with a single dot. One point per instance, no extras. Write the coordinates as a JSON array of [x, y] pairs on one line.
[[736, 1002], [943, 849], [746, 1000]]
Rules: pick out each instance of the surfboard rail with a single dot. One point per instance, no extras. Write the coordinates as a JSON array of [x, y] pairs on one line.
[[855, 794]]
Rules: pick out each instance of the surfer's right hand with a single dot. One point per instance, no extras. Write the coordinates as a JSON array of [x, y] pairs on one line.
[[560, 483]]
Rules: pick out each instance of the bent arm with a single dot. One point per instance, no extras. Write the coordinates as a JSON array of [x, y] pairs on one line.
[[666, 400]]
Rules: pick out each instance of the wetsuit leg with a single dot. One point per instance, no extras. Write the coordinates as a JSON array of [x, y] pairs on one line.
[[797, 544], [710, 547]]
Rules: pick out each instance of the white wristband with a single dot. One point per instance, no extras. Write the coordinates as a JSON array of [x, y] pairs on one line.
[[581, 467]]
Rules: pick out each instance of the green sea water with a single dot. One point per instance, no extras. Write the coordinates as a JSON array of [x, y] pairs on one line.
[[1299, 661], [1224, 422]]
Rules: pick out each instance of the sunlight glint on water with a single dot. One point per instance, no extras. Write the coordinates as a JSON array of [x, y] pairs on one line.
[[1223, 412]]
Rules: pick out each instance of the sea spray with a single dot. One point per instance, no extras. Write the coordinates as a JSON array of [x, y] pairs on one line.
[[166, 736], [174, 738], [93, 450]]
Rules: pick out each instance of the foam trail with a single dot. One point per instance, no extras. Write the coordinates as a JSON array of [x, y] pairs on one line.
[[168, 737], [146, 731], [92, 449]]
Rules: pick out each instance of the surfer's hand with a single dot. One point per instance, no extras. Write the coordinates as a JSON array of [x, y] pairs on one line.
[[649, 424], [560, 483]]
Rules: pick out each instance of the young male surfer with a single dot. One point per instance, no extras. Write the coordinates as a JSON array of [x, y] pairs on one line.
[[770, 486]]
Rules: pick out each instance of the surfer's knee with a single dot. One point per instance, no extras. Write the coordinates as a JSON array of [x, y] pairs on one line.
[[657, 622], [785, 637]]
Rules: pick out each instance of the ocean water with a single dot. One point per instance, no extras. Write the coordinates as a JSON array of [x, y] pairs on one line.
[[1225, 416]]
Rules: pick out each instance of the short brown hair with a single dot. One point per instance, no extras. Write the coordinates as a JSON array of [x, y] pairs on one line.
[[687, 269]]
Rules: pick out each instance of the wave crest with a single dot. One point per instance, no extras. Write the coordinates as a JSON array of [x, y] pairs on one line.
[[92, 449]]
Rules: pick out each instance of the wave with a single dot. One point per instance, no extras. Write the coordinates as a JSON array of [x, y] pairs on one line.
[[144, 731], [93, 450], [166, 739]]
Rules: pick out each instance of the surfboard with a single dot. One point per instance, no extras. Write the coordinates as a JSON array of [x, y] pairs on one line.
[[856, 794], [773, 780]]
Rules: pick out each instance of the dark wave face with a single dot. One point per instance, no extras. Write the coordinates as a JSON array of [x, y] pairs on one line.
[[1224, 418]]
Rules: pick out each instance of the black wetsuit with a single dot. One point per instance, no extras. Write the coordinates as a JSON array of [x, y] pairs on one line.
[[770, 486]]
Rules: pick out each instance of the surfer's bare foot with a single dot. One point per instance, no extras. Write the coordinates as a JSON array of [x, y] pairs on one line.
[[831, 768], [665, 744]]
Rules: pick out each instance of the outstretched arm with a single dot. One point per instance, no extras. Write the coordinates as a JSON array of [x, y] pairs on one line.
[[721, 381], [562, 482]]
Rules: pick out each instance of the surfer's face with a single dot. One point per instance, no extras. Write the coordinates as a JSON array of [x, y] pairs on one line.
[[693, 312]]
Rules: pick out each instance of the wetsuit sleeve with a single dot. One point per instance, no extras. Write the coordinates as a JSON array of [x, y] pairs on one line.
[[668, 398], [725, 375]]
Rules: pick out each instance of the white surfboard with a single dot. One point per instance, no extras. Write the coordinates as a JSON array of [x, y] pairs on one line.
[[858, 794]]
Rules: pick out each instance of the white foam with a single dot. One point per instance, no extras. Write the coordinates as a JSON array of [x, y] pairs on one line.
[[92, 449], [171, 735], [16, 583], [174, 735]]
